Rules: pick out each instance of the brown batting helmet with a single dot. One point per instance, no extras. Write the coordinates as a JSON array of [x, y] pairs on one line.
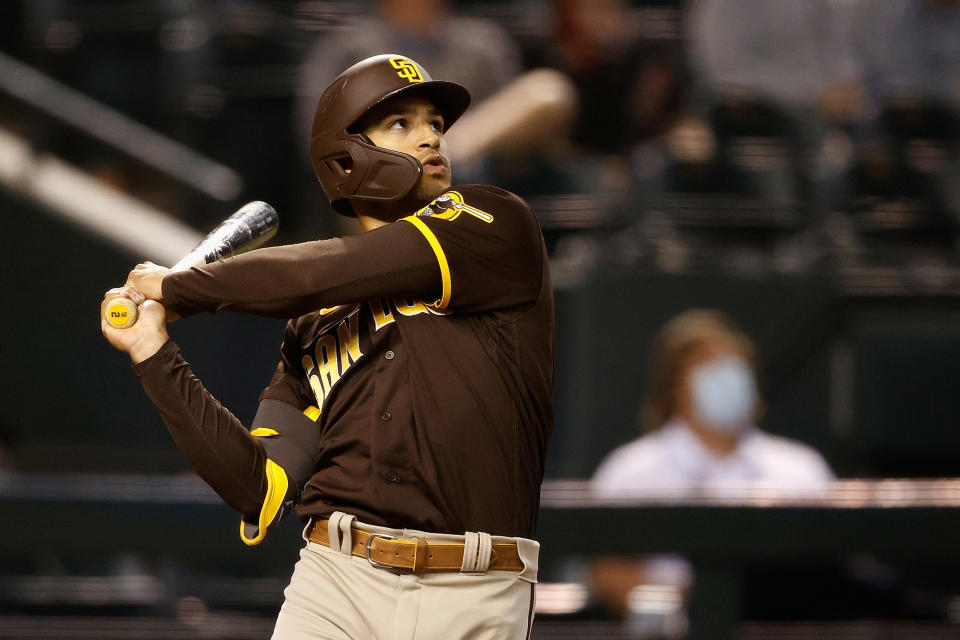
[[348, 165]]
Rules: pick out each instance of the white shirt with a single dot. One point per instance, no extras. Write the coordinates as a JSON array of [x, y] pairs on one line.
[[672, 461]]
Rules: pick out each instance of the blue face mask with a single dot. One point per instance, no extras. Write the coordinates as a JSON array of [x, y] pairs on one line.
[[724, 394]]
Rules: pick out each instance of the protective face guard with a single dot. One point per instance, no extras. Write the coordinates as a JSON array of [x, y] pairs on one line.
[[376, 174]]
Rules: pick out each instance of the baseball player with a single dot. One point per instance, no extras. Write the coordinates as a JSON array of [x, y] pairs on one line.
[[408, 418]]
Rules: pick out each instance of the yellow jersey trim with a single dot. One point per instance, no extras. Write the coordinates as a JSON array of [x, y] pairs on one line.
[[446, 288], [312, 412], [276, 491], [264, 432]]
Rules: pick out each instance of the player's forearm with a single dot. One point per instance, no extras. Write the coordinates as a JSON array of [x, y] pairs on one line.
[[216, 444], [292, 280]]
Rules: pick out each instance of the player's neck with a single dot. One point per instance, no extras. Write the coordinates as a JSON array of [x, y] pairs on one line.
[[368, 223], [371, 215]]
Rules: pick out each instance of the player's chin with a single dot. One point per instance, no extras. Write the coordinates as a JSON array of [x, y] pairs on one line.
[[432, 185]]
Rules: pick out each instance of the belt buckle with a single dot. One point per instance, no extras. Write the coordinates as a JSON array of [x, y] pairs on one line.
[[370, 539]]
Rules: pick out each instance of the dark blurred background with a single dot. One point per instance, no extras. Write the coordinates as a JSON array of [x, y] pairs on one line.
[[796, 165]]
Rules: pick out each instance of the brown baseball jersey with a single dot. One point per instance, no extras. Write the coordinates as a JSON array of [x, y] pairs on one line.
[[415, 382]]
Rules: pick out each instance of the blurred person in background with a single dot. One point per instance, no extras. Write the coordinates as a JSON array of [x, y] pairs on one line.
[[909, 51], [627, 89], [778, 85], [701, 410], [627, 85]]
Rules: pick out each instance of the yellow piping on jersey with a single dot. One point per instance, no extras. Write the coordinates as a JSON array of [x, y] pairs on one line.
[[441, 259], [264, 432], [276, 491], [312, 412]]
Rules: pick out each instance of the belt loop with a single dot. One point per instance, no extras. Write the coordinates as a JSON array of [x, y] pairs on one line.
[[484, 552], [333, 529], [338, 532], [420, 557], [306, 530], [471, 542], [346, 537]]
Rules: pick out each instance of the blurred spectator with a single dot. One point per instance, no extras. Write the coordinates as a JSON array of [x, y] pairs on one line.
[[793, 55], [627, 90], [627, 86], [474, 52], [778, 84], [910, 49], [701, 408], [910, 54]]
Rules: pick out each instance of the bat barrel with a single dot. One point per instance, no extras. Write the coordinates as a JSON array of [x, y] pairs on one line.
[[252, 225]]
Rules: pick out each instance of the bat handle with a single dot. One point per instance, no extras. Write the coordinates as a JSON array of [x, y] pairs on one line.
[[121, 313]]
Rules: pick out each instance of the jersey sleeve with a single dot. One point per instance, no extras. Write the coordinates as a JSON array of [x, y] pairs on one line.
[[488, 247], [290, 439], [285, 426], [259, 473], [474, 248], [293, 280]]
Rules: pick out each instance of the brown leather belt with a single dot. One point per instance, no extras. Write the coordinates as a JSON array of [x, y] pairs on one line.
[[416, 555]]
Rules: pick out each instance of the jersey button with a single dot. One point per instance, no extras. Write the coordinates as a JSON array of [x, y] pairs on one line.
[[392, 477], [385, 415], [389, 355]]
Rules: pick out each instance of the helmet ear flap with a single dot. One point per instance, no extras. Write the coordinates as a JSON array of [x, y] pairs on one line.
[[340, 167], [377, 174]]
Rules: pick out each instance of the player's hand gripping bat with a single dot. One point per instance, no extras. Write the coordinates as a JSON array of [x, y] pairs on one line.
[[252, 225]]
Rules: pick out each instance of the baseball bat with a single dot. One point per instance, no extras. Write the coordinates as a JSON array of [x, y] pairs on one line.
[[252, 225]]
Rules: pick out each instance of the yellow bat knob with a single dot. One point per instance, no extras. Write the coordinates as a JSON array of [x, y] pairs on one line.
[[121, 312]]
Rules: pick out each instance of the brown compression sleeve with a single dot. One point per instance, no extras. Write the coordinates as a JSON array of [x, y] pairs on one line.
[[217, 445], [287, 281]]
